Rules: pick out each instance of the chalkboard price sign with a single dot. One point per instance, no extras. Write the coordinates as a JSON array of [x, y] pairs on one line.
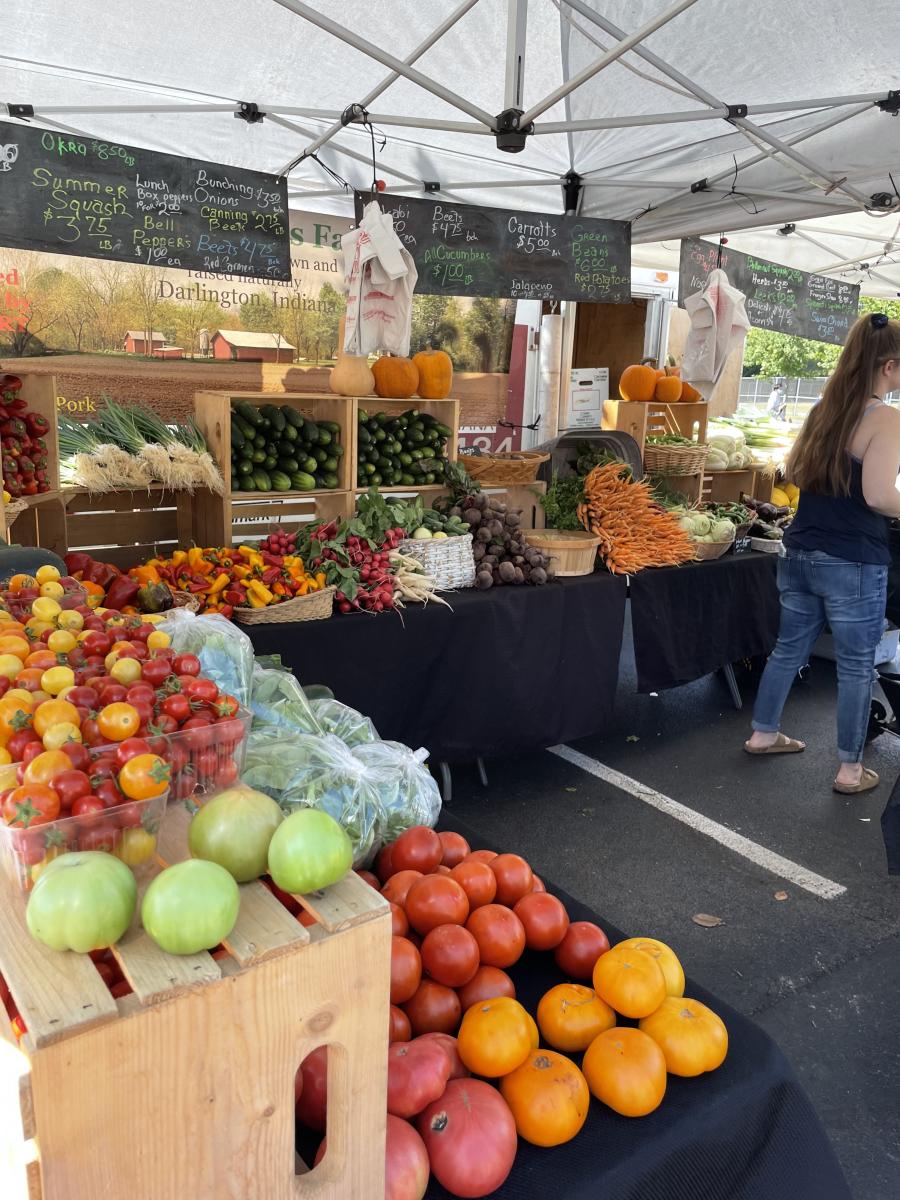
[[779, 298], [467, 250], [79, 195]]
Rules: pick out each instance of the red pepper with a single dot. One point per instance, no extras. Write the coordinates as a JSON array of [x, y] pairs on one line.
[[77, 561], [39, 446], [12, 446], [102, 574], [10, 383], [36, 425], [13, 428], [121, 592], [227, 610], [17, 406], [235, 596]]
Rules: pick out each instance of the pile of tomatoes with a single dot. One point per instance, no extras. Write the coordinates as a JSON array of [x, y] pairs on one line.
[[99, 719], [470, 1070]]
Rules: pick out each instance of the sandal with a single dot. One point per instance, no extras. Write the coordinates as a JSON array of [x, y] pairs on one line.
[[781, 745], [868, 780]]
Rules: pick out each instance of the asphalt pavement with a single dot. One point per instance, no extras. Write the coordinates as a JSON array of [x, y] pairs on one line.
[[821, 975]]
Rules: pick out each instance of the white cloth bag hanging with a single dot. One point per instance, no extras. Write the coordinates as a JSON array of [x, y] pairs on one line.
[[719, 324], [380, 277]]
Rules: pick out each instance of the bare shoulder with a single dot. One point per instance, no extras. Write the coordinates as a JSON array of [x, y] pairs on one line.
[[886, 417]]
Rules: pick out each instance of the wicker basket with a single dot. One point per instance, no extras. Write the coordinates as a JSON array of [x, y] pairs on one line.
[[188, 600], [674, 460], [571, 551], [448, 561], [704, 551], [315, 606], [521, 466]]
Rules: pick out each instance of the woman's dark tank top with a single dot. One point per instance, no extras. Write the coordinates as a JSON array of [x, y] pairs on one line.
[[842, 526]]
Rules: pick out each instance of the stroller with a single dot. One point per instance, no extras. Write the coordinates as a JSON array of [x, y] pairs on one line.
[[884, 715]]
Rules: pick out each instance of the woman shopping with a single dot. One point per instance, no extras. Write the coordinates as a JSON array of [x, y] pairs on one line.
[[845, 461]]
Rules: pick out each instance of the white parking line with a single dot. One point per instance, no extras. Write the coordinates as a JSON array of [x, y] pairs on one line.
[[827, 889]]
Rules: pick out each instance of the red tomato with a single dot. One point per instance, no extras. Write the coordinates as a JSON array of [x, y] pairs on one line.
[[582, 945], [129, 749], [186, 664], [399, 920], [70, 786], [227, 706], [227, 773], [433, 1009], [397, 887], [156, 671], [90, 732], [200, 733], [87, 806], [79, 754], [399, 1028], [113, 693], [82, 696], [17, 743], [32, 804], [406, 1167], [486, 984], [369, 878], [450, 955], [454, 847], [383, 864], [458, 1069], [207, 763], [470, 1136], [313, 1101], [538, 884], [406, 970], [499, 934], [96, 643], [477, 880], [514, 878], [545, 920], [101, 836], [178, 706], [164, 724], [203, 690], [108, 792], [417, 849], [484, 856], [435, 900], [31, 751], [417, 1074]]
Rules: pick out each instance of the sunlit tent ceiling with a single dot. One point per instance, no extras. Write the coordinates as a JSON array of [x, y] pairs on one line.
[[644, 123]]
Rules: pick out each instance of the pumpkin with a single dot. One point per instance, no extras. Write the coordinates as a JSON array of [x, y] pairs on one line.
[[351, 374], [495, 1037], [689, 394], [630, 981], [665, 956], [435, 374], [668, 389], [571, 1015], [692, 1037], [548, 1097], [395, 378], [638, 382], [626, 1070]]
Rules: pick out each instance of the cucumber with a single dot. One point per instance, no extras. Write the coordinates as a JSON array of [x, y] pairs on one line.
[[290, 433], [245, 467], [407, 479], [331, 426], [303, 482], [309, 465], [290, 465], [443, 430], [262, 481], [237, 438], [330, 464], [310, 430], [337, 450], [375, 479], [293, 418], [280, 481], [235, 483], [270, 462], [325, 438], [362, 415], [331, 480], [319, 455], [286, 449], [368, 469], [364, 436], [259, 440], [248, 411], [258, 457], [246, 484], [275, 415]]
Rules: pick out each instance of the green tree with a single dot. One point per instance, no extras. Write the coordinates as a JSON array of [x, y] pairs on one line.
[[488, 326], [324, 324], [259, 314], [192, 316], [793, 357], [436, 319]]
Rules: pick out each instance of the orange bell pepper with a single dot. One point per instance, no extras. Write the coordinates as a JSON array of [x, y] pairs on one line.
[[145, 574]]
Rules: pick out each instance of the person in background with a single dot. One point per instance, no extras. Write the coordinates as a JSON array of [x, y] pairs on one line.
[[845, 461], [777, 403]]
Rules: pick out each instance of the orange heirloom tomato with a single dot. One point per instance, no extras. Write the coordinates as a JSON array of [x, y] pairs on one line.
[[494, 1038], [54, 712], [14, 643], [144, 776], [665, 956], [117, 722], [45, 767], [626, 1070], [691, 1036], [548, 1097], [31, 804], [571, 1015], [44, 660], [14, 716], [630, 981]]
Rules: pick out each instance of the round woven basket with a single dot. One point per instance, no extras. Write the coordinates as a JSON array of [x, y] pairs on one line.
[[315, 606], [674, 460], [186, 600], [520, 466], [571, 551], [704, 551], [448, 561]]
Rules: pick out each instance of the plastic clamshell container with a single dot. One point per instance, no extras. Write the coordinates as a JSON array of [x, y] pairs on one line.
[[130, 831]]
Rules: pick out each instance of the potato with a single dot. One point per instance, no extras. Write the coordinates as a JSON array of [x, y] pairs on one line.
[[483, 580]]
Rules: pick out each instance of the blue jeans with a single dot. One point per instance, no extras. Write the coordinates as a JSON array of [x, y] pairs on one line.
[[851, 597]]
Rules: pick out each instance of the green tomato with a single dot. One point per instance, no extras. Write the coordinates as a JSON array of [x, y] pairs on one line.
[[82, 901], [190, 907], [234, 829], [308, 851]]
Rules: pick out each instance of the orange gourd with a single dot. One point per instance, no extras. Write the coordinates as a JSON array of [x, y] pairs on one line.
[[689, 394], [435, 374], [548, 1097], [626, 1070], [571, 1016], [630, 981], [395, 378], [668, 389], [692, 1037], [672, 970], [638, 382]]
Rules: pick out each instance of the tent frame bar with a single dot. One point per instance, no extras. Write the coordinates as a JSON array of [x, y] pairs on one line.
[[516, 26], [346, 151]]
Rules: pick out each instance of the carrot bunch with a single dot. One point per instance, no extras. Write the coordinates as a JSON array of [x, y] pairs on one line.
[[634, 531]]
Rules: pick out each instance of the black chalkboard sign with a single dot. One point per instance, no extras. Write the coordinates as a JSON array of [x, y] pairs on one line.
[[79, 195], [779, 298], [467, 250]]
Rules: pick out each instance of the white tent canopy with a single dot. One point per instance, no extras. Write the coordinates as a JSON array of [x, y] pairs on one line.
[[632, 95]]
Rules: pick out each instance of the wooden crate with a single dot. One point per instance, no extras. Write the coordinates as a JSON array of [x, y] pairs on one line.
[[215, 515], [724, 487], [645, 420], [42, 524], [127, 528], [446, 411], [253, 517], [185, 1088]]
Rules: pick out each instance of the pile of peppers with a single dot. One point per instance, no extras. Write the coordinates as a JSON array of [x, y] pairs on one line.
[[24, 442], [225, 579]]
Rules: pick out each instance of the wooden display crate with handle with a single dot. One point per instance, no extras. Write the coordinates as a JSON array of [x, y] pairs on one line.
[[185, 1088], [127, 528], [220, 520], [42, 523], [446, 411]]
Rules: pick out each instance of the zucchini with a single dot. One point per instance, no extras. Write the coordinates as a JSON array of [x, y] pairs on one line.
[[248, 411], [262, 481], [292, 417], [280, 481], [275, 415], [303, 482]]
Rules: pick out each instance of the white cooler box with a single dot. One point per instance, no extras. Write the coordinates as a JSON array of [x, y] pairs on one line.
[[886, 652]]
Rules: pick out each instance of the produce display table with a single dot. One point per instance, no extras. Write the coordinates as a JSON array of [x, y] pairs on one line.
[[507, 670], [745, 1132], [692, 620]]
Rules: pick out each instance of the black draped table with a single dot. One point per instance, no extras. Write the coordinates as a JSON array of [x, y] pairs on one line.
[[744, 1132]]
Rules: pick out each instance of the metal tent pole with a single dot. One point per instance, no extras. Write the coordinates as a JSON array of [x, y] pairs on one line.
[[345, 150], [320, 114], [81, 109], [389, 60], [626, 42], [516, 25], [403, 189]]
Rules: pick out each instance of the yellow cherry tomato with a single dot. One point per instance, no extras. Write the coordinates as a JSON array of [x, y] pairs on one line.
[[47, 573], [24, 699], [70, 619], [57, 678], [10, 665], [54, 589], [135, 846], [54, 712], [153, 618], [61, 641], [126, 670], [5, 756], [46, 609], [58, 735], [158, 640], [45, 767], [9, 775], [35, 628]]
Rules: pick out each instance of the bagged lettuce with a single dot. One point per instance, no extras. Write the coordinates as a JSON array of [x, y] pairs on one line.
[[344, 722], [407, 793], [225, 652]]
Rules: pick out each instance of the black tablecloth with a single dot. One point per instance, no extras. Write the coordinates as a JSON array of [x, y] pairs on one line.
[[507, 670], [744, 1132], [689, 621]]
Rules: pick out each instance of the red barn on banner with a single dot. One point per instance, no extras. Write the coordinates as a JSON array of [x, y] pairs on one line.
[[136, 341], [240, 346]]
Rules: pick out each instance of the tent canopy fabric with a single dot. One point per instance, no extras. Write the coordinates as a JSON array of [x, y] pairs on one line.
[[812, 143]]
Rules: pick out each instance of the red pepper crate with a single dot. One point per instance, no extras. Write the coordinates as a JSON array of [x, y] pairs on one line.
[[43, 522]]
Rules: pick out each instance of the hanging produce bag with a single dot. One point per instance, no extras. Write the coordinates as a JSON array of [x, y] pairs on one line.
[[277, 700], [407, 793]]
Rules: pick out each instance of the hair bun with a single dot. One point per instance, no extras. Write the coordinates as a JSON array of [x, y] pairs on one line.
[[879, 320]]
